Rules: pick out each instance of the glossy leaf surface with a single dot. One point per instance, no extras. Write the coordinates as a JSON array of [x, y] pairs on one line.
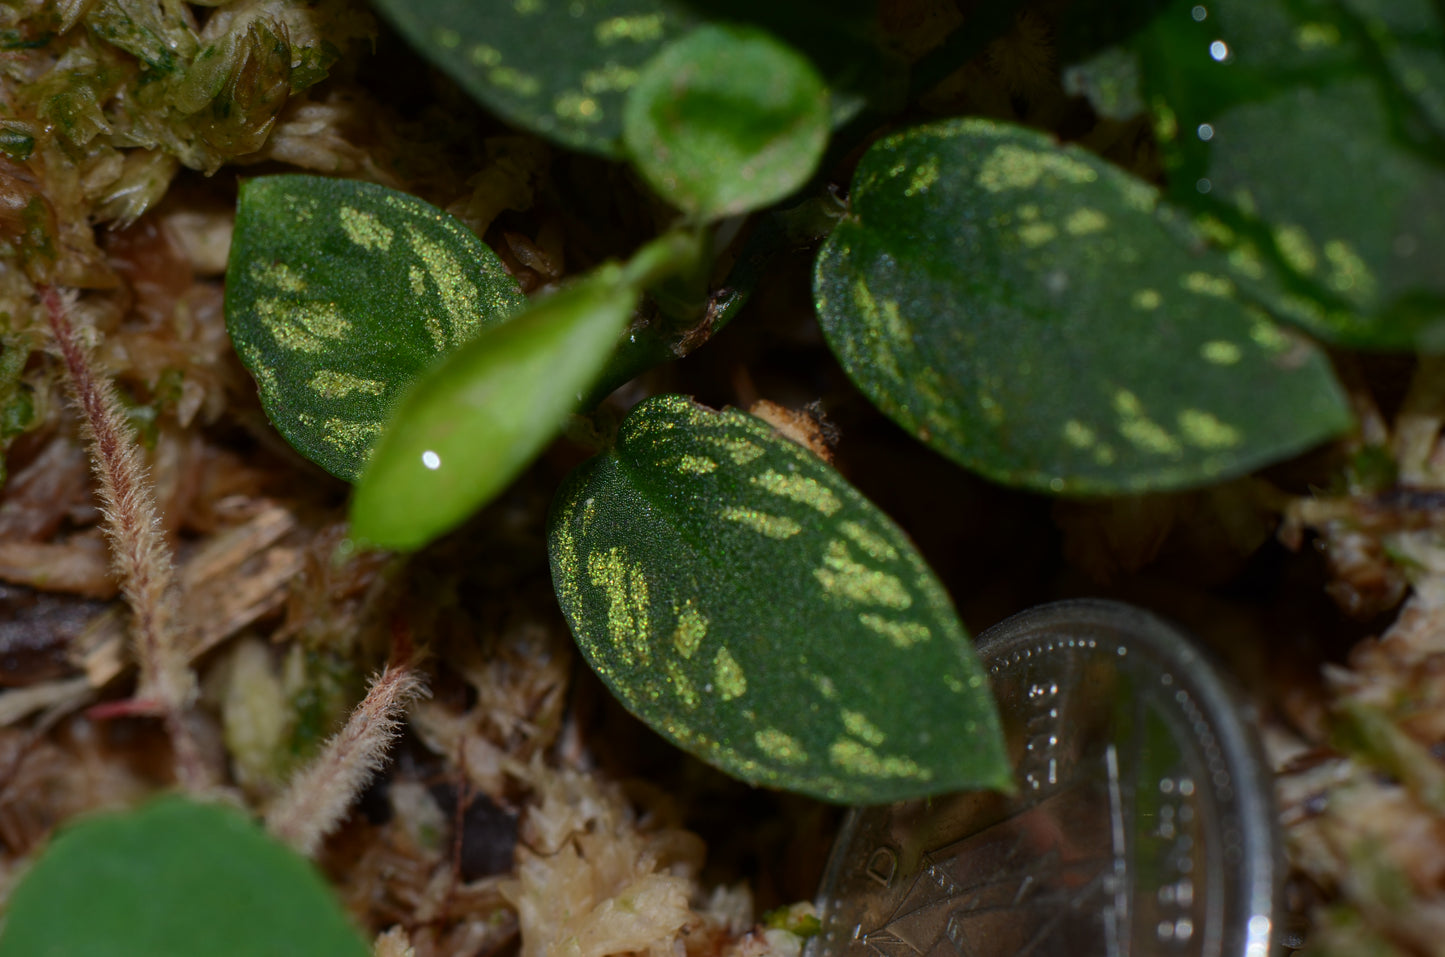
[[1310, 136], [474, 422], [749, 604], [1029, 312], [726, 120], [171, 879], [339, 294]]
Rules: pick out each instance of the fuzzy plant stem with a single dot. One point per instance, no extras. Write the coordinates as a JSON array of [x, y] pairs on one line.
[[141, 557], [318, 797]]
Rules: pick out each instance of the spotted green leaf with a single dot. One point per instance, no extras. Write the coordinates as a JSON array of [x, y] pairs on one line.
[[1027, 311], [1309, 137], [725, 120], [472, 424], [749, 604], [339, 294], [557, 68], [562, 68], [174, 877]]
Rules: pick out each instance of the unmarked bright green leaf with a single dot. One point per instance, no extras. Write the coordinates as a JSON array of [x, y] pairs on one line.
[[1027, 311], [339, 294], [726, 120], [174, 879], [1310, 135], [749, 604], [557, 68], [473, 423]]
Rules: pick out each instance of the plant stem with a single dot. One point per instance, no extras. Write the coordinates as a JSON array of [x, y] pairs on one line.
[[317, 797], [666, 256], [141, 557]]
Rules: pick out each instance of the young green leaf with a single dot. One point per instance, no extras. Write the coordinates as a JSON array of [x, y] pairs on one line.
[[1027, 311], [339, 294], [725, 120], [840, 38], [560, 70], [474, 422], [1271, 115], [174, 878], [749, 604]]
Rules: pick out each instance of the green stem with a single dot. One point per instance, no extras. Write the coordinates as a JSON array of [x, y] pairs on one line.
[[666, 256]]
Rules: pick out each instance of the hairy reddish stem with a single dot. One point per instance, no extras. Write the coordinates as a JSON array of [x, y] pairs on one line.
[[141, 557], [318, 797]]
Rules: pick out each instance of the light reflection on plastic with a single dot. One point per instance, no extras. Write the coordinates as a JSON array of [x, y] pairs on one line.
[[1219, 50], [431, 460]]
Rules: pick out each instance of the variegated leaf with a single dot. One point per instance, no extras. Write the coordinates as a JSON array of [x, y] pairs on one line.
[[748, 603], [561, 71], [564, 70], [339, 294], [1038, 316], [476, 420]]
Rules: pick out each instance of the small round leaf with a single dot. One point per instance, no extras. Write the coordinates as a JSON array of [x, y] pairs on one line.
[[174, 879], [726, 120], [339, 294], [749, 604], [1029, 311], [473, 423]]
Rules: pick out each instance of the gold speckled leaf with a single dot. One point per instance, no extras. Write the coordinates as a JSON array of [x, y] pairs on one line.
[[565, 69], [339, 294], [474, 422], [1029, 311], [561, 70], [744, 600]]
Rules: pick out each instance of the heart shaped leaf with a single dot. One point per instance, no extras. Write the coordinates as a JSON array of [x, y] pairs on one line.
[[749, 604], [174, 877], [467, 428], [1029, 312], [339, 294], [726, 120]]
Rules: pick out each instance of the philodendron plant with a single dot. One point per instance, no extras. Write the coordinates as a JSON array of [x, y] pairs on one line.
[[1027, 309]]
